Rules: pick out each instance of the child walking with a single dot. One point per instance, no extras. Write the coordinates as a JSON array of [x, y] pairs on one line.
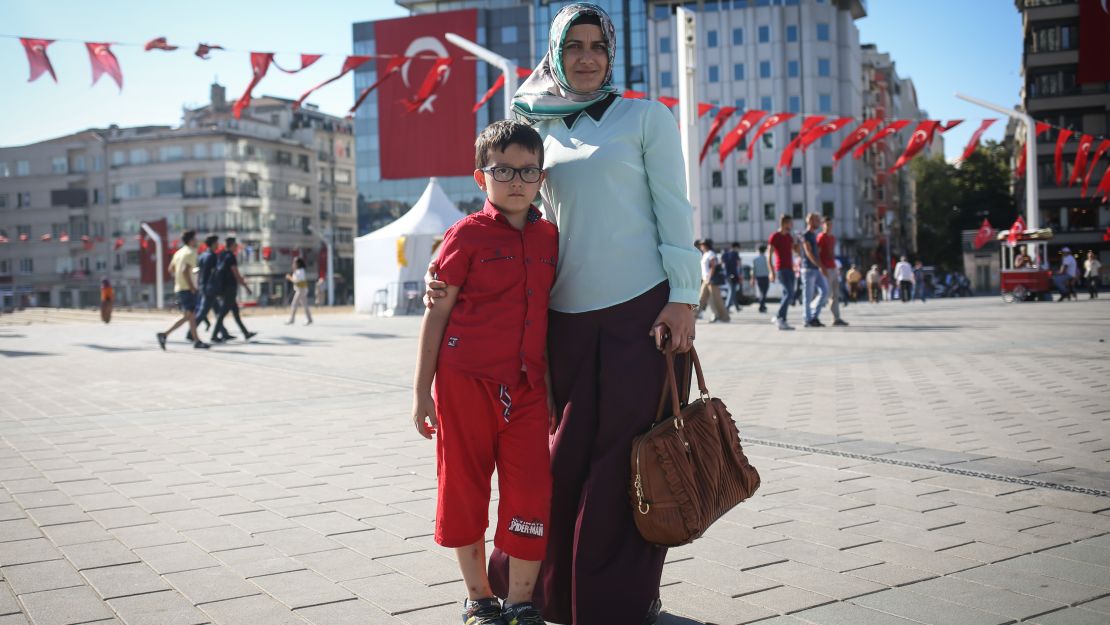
[[300, 292], [483, 344]]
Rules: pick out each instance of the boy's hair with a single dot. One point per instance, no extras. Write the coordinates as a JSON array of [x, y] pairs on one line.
[[188, 236], [299, 263], [500, 135], [762, 249], [785, 218], [228, 242], [735, 245], [211, 240]]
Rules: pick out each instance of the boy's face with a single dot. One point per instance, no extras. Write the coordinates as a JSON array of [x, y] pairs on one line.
[[516, 195]]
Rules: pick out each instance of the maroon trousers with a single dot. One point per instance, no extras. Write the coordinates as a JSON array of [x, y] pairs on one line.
[[607, 377]]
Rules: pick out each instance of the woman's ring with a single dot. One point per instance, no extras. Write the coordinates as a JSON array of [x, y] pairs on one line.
[[690, 337]]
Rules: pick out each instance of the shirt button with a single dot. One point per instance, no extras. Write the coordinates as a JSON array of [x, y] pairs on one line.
[[527, 322], [527, 261], [529, 291]]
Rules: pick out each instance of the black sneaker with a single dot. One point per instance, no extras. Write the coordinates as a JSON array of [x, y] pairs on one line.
[[817, 323], [653, 612], [200, 345], [162, 340], [249, 335], [189, 336], [218, 339], [482, 612], [840, 322], [522, 614], [229, 337]]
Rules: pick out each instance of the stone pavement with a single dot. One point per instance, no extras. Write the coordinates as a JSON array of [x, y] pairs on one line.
[[944, 463]]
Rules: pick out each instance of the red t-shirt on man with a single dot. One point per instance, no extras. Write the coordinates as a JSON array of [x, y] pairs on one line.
[[783, 246], [826, 250], [498, 326]]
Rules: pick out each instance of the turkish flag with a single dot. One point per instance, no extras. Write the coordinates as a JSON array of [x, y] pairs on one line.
[[306, 61], [859, 134], [435, 77], [704, 107], [499, 84], [158, 43], [668, 101], [349, 64], [984, 234], [203, 49], [104, 62], [1061, 139], [260, 64], [733, 137], [1080, 166], [1102, 147], [1094, 41], [808, 124], [3, 239], [437, 138], [949, 125], [974, 142], [1020, 171], [922, 137], [1016, 231], [391, 69], [1106, 235], [889, 130], [825, 129], [767, 124], [714, 128], [46, 237], [36, 57], [63, 237], [1104, 187]]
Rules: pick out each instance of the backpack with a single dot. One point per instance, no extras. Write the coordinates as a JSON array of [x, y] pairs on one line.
[[222, 279]]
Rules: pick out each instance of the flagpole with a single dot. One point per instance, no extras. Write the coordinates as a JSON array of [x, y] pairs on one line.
[[688, 108], [1032, 207], [160, 266], [508, 68]]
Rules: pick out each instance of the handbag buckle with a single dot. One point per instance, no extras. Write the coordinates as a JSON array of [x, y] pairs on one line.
[[705, 396], [678, 423], [641, 505]]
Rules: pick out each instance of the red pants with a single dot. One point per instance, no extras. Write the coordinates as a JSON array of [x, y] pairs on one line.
[[473, 438]]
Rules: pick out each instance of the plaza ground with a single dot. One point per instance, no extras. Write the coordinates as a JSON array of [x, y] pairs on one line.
[[942, 463]]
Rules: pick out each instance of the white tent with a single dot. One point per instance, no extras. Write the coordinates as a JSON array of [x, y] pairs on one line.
[[380, 277]]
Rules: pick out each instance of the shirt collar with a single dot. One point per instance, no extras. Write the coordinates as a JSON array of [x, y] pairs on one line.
[[595, 110], [489, 210]]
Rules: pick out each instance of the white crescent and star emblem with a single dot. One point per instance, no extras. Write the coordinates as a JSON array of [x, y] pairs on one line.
[[419, 45], [919, 136]]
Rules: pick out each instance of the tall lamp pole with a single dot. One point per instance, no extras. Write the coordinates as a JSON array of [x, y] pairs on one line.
[[160, 266], [687, 53]]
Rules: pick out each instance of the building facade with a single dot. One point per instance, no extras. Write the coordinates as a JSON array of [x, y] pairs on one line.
[[1053, 94], [261, 179]]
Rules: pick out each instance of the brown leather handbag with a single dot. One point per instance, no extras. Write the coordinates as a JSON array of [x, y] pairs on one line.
[[689, 468]]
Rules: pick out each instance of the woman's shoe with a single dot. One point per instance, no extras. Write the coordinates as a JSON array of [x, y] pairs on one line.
[[653, 612]]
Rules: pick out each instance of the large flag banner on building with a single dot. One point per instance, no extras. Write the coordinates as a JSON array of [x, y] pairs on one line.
[[434, 137], [1094, 41]]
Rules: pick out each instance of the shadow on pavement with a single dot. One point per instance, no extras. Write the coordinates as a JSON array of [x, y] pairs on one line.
[[14, 354], [913, 328], [672, 619], [373, 335], [110, 348]]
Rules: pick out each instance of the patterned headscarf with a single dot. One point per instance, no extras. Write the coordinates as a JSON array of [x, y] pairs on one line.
[[547, 93]]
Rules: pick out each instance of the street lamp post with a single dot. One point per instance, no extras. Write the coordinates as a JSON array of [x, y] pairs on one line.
[[507, 67], [687, 53], [160, 268]]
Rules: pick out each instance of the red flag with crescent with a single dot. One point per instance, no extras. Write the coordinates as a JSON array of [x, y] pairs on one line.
[[1080, 165], [260, 64], [975, 137], [733, 137], [767, 124], [1061, 139], [435, 77], [889, 130], [921, 138], [203, 49], [37, 59], [825, 129], [859, 134], [104, 62], [1041, 128], [722, 116], [1016, 231], [158, 43], [1104, 187], [984, 234], [392, 68], [349, 64], [949, 125], [786, 159], [1102, 147], [306, 61]]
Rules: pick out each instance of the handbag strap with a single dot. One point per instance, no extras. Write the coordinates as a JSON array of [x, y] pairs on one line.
[[670, 386]]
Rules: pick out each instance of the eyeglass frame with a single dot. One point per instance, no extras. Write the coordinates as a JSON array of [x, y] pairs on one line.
[[517, 171]]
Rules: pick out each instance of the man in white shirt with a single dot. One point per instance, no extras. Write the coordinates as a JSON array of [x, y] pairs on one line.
[[1092, 271], [903, 274], [1069, 271], [711, 292]]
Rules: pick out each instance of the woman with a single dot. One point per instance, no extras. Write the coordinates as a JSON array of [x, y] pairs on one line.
[[627, 278], [107, 297], [300, 291]]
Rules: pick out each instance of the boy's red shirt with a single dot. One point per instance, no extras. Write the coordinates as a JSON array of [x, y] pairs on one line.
[[498, 326]]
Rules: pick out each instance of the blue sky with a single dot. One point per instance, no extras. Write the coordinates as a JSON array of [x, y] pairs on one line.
[[944, 45]]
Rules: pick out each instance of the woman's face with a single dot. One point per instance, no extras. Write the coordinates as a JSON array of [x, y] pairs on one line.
[[585, 57]]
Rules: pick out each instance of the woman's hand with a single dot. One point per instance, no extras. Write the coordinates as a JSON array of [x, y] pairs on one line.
[[677, 321], [424, 414], [434, 289]]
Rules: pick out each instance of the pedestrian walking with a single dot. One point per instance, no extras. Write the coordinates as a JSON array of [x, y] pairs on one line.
[[761, 274], [181, 267], [321, 291], [731, 261], [228, 280], [1066, 276], [712, 276], [884, 282], [300, 292], [1092, 272], [826, 247], [107, 297], [780, 261], [813, 278], [903, 275], [208, 299], [854, 278], [919, 290]]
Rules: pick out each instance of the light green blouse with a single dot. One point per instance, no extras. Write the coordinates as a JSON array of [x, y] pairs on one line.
[[617, 190]]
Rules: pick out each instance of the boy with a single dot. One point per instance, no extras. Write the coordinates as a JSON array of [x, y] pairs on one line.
[[181, 266], [780, 264], [484, 344]]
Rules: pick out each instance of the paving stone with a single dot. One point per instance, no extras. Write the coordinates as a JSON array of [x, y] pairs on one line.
[[228, 504], [159, 608], [153, 535], [11, 511], [395, 593], [982, 552], [1070, 570], [102, 501], [175, 558], [376, 543], [820, 556], [329, 523], [19, 529], [850, 614], [939, 563], [76, 533], [818, 580], [891, 574], [66, 606], [185, 520], [352, 612], [709, 607], [261, 560], [28, 551], [125, 580], [297, 541], [14, 619], [301, 589], [211, 584], [901, 602], [1029, 583], [165, 503], [341, 565], [221, 538], [97, 554], [57, 515], [39, 576], [1071, 616], [996, 601], [721, 579], [1098, 605], [787, 599], [254, 610], [261, 521], [8, 602], [739, 557]]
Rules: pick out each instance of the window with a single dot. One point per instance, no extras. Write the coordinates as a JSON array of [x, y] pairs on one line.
[[764, 69], [797, 210], [170, 153], [220, 186], [26, 266], [125, 191], [3, 201], [23, 199], [742, 212], [1053, 38], [342, 176], [791, 33], [297, 191], [119, 157], [715, 177], [4, 171], [824, 67], [711, 39], [764, 34], [792, 69], [718, 213], [164, 188], [741, 105], [665, 80], [343, 235], [738, 72], [509, 34], [766, 103], [23, 232], [344, 206], [737, 36], [714, 73], [824, 103], [822, 31], [200, 151], [768, 140], [828, 209], [79, 164], [769, 211], [5, 267], [98, 163], [200, 187], [665, 45], [742, 177], [139, 156], [58, 165], [23, 168], [794, 104], [1052, 82], [218, 150], [768, 175], [827, 174], [795, 175]]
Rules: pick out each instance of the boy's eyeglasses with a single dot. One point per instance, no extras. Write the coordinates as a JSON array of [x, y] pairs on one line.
[[506, 174]]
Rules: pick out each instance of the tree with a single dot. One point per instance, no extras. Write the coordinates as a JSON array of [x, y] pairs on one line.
[[951, 199]]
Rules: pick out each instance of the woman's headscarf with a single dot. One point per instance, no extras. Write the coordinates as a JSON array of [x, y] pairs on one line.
[[547, 93]]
